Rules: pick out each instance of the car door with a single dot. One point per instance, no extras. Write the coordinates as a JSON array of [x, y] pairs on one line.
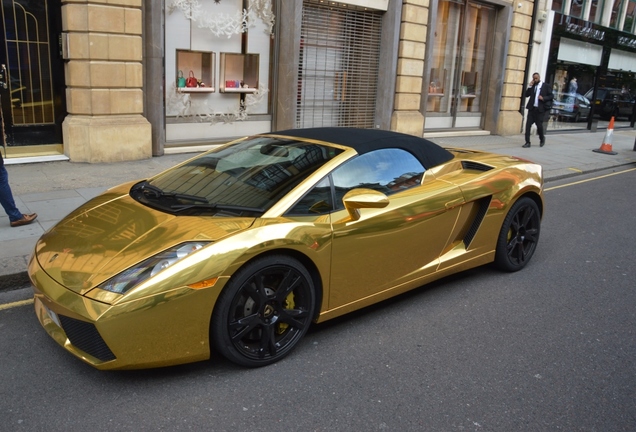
[[390, 246]]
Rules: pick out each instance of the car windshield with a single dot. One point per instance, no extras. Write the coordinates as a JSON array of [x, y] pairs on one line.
[[244, 179]]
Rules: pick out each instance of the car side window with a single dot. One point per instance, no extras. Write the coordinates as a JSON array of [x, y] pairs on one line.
[[387, 170]]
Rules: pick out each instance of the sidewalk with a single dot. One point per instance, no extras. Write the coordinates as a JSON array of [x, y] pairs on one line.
[[53, 189]]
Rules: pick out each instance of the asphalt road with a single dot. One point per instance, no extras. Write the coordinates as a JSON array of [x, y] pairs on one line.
[[552, 347]]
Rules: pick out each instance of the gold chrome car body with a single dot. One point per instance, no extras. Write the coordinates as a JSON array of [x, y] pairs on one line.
[[373, 249]]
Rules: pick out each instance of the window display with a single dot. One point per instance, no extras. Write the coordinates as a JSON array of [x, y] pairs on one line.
[[195, 71], [239, 73]]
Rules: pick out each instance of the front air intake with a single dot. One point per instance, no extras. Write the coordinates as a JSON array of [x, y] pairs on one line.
[[84, 335]]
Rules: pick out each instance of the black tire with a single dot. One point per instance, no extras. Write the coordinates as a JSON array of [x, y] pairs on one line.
[[577, 117], [263, 312], [519, 235]]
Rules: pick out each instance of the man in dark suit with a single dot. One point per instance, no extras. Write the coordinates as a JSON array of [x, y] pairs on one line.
[[539, 93]]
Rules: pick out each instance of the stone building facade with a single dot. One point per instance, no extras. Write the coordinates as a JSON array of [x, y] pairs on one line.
[[119, 69]]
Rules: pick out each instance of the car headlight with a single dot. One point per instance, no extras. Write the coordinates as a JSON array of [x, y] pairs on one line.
[[149, 267]]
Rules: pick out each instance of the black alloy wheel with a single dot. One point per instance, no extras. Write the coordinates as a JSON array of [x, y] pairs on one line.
[[519, 235], [264, 311]]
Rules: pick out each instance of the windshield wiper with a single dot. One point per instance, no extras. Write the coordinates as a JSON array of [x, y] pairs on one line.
[[235, 208], [145, 187]]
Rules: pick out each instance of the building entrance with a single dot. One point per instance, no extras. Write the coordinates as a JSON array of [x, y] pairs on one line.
[[31, 72], [458, 69]]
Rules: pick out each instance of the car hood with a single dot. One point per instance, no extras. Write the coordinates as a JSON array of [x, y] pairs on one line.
[[113, 232]]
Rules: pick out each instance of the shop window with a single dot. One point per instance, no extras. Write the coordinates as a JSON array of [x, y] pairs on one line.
[[617, 10], [596, 11], [630, 18], [576, 9], [238, 73], [557, 5], [462, 45], [197, 65]]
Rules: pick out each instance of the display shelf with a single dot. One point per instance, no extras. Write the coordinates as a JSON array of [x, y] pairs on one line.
[[203, 66], [239, 90], [239, 73], [196, 89]]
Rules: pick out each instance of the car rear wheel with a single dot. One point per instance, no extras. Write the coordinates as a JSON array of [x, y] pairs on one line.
[[519, 235], [264, 311]]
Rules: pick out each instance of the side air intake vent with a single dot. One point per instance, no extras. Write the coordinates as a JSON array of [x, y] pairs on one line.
[[483, 205], [468, 165], [85, 336]]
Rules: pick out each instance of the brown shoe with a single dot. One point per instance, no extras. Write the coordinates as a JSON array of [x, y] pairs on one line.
[[26, 219]]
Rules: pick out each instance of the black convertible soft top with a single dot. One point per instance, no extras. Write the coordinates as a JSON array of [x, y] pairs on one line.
[[366, 140]]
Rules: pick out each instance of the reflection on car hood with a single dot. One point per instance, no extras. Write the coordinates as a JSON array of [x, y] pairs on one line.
[[113, 232]]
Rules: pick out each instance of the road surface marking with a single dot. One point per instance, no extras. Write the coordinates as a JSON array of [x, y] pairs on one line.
[[15, 304], [589, 180]]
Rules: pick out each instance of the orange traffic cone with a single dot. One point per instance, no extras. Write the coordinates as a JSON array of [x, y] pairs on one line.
[[606, 146]]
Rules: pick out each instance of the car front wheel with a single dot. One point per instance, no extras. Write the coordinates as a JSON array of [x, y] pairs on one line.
[[264, 311], [519, 235]]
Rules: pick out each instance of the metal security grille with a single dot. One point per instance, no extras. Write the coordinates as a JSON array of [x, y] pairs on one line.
[[338, 68]]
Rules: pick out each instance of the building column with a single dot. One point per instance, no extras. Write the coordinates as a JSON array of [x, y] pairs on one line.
[[510, 120], [407, 117], [102, 46]]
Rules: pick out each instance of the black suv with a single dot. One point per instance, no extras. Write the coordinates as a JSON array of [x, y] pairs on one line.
[[612, 102]]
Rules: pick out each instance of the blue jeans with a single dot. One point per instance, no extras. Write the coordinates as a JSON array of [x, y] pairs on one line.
[[6, 197]]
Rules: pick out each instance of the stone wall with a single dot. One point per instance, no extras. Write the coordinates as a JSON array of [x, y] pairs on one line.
[[102, 46], [510, 119], [407, 117]]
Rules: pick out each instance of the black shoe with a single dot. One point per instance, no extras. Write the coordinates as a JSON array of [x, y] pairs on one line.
[[526, 145], [542, 143]]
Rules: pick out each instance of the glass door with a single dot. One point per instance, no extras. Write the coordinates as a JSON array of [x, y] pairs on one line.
[[462, 49], [31, 72]]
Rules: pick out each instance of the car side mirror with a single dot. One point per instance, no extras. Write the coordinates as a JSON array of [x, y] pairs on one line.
[[357, 199]]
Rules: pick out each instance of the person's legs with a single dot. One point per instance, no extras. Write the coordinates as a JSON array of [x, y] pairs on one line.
[[6, 197], [539, 122], [529, 122]]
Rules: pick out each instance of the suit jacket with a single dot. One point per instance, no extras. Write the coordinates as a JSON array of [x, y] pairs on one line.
[[545, 91]]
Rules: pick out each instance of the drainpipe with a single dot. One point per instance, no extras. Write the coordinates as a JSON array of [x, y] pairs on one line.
[[526, 74]]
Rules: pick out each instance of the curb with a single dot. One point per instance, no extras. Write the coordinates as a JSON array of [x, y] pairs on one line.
[[15, 281]]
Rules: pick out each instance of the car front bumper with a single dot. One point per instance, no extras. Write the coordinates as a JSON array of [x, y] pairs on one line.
[[160, 330]]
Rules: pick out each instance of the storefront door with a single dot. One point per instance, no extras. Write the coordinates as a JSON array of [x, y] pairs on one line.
[[458, 69], [31, 70]]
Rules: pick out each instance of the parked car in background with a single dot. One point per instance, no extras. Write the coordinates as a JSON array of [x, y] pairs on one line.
[[612, 102], [571, 106]]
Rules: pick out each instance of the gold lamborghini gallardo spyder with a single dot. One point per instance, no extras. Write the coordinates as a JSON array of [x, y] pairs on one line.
[[240, 249]]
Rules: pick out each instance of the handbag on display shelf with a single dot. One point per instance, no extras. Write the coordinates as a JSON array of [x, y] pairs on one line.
[[181, 81], [191, 81]]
